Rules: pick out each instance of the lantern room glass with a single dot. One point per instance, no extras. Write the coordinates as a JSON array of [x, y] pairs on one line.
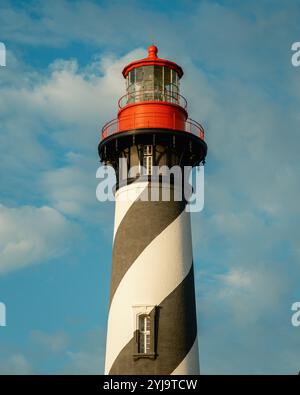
[[148, 83]]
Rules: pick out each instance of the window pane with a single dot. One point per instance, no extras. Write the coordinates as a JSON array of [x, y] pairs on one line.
[[167, 80], [131, 78], [144, 329], [148, 82], [158, 77], [148, 73], [148, 318], [139, 74], [142, 326], [142, 343], [147, 347], [137, 84], [174, 77]]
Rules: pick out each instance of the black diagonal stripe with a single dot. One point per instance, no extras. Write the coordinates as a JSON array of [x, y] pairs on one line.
[[142, 223], [176, 334]]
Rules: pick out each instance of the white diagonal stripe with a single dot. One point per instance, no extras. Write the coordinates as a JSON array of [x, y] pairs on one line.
[[125, 197], [190, 364], [157, 271]]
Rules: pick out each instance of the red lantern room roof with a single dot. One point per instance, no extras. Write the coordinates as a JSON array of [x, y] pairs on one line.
[[151, 60]]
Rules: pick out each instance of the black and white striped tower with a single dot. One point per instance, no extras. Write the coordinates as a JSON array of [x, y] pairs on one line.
[[152, 326]]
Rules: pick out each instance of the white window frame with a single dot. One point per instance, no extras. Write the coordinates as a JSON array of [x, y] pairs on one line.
[[138, 311]]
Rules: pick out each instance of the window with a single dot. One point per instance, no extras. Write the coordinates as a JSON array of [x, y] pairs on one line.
[[144, 334], [148, 159], [145, 318]]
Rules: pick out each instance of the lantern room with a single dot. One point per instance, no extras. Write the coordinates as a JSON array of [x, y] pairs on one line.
[[152, 79], [152, 99]]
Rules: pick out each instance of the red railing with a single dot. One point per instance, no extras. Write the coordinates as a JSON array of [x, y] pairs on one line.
[[110, 128], [194, 127], [191, 126]]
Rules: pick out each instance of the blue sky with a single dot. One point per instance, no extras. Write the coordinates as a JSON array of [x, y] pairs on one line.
[[61, 84]]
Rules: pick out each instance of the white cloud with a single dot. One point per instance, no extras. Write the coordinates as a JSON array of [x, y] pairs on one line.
[[64, 107], [16, 364], [70, 188], [83, 362], [72, 191], [252, 293], [75, 353], [55, 342], [62, 22], [30, 235], [87, 356]]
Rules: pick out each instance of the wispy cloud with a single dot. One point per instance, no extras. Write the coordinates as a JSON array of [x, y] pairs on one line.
[[55, 342], [31, 235], [15, 364]]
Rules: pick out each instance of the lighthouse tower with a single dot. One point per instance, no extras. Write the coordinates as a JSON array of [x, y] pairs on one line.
[[152, 327]]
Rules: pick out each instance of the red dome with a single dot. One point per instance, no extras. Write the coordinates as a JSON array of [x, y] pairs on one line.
[[151, 60]]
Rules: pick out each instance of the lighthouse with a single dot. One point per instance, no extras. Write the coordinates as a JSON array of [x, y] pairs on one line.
[[152, 326]]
